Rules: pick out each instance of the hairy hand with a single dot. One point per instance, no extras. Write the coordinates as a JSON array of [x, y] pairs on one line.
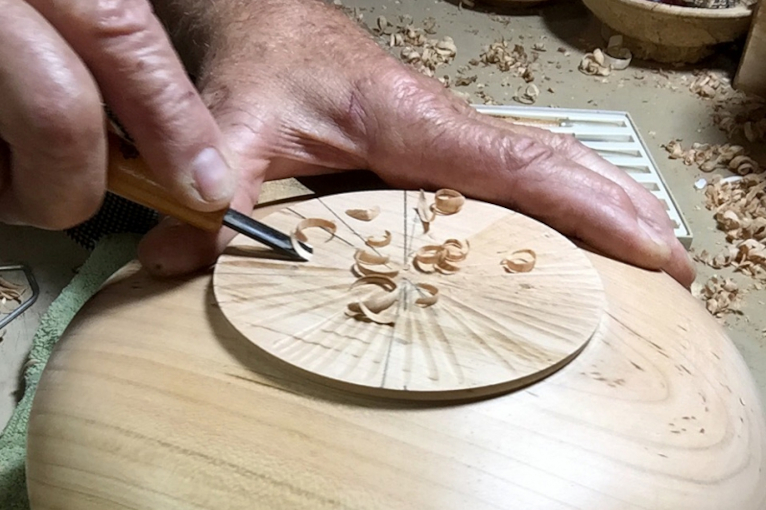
[[59, 61], [298, 89]]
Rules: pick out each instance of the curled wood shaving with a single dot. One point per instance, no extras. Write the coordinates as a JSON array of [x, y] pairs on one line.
[[372, 307], [594, 64], [365, 257], [379, 242], [455, 250], [364, 214], [308, 223], [527, 94], [383, 282], [425, 214], [443, 258], [447, 201], [372, 264], [520, 261], [432, 295]]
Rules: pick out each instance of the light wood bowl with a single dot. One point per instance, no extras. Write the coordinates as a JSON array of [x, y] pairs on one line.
[[669, 33], [152, 400]]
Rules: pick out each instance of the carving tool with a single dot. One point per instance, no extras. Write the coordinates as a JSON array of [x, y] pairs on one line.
[[128, 176]]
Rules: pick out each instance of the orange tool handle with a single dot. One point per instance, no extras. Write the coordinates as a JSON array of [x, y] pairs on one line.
[[129, 176]]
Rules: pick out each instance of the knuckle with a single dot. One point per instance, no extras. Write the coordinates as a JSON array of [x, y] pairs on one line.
[[67, 121], [113, 19], [615, 195], [565, 143]]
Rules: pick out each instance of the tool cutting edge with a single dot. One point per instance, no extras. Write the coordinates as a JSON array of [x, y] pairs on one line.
[[267, 235]]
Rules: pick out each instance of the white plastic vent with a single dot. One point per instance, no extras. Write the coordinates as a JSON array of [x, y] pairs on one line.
[[614, 136]]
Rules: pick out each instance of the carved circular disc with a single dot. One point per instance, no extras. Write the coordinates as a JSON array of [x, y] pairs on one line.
[[490, 331]]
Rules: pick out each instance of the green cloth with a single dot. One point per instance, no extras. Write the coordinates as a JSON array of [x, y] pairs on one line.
[[109, 255]]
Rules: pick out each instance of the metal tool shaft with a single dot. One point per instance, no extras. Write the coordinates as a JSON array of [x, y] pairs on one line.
[[264, 234]]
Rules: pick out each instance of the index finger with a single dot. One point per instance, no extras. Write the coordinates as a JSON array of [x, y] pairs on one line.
[[143, 81]]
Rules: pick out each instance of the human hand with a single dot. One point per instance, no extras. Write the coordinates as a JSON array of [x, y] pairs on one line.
[[297, 89], [58, 61]]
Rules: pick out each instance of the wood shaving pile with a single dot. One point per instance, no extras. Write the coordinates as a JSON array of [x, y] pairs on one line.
[[721, 296], [737, 114], [708, 84], [420, 51], [500, 55], [710, 157], [740, 211]]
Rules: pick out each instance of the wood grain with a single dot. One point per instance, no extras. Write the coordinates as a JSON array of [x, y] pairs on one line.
[[153, 400], [489, 331]]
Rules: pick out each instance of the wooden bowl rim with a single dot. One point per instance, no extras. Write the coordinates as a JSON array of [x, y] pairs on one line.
[[739, 11]]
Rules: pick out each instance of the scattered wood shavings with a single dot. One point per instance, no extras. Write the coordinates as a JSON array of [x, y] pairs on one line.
[[379, 242], [447, 202], [364, 214], [714, 157], [520, 261], [739, 208], [721, 296], [500, 55], [423, 53]]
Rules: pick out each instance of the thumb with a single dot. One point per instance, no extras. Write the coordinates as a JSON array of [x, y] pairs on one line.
[[175, 248]]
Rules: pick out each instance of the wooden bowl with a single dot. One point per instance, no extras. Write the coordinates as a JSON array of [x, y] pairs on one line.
[[152, 400], [670, 33], [512, 3]]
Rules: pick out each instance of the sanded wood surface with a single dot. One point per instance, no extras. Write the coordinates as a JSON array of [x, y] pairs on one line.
[[489, 331], [153, 400]]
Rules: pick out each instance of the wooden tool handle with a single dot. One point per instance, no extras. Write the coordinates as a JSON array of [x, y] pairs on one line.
[[129, 176]]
